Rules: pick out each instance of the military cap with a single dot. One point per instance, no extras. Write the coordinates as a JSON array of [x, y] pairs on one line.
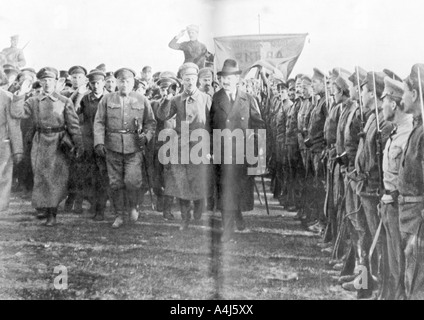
[[379, 82], [281, 86], [392, 88], [193, 27], [26, 75], [167, 78], [307, 79], [29, 70], [109, 74], [291, 80], [36, 85], [101, 67], [96, 75], [124, 73], [15, 36], [343, 83], [3, 78], [8, 68], [413, 76], [298, 76], [205, 73], [63, 74], [392, 75], [354, 78], [77, 69], [339, 72], [47, 72], [189, 68], [318, 74]]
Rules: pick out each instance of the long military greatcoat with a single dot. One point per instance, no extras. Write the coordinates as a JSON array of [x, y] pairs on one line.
[[187, 181], [10, 143], [235, 186], [49, 163]]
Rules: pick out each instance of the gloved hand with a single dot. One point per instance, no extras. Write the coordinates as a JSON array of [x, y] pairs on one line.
[[100, 150], [141, 140], [79, 151], [17, 158]]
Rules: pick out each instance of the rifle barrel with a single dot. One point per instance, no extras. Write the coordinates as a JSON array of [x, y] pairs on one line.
[[421, 92]]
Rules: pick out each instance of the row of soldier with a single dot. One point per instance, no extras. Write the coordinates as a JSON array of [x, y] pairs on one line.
[[86, 142], [345, 152]]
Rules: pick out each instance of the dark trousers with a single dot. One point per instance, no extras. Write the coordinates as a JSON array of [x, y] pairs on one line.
[[230, 217], [125, 179], [199, 206], [393, 257]]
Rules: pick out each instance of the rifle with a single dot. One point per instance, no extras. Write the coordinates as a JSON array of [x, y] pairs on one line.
[[380, 171], [360, 101], [144, 164]]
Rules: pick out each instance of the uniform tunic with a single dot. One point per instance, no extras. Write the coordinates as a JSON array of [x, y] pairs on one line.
[[194, 51], [50, 165]]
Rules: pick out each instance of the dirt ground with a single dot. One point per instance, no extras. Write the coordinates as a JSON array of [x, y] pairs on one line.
[[152, 259]]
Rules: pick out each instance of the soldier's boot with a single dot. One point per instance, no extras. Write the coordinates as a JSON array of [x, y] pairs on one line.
[[160, 203], [118, 204], [100, 212], [69, 203], [134, 215], [51, 218], [119, 221], [185, 214], [240, 224], [41, 213], [78, 204], [167, 205], [198, 209]]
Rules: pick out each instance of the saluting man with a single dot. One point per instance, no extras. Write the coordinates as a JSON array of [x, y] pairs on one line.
[[188, 181], [54, 117], [116, 138]]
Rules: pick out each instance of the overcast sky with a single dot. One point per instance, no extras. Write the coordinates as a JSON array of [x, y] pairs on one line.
[[374, 34]]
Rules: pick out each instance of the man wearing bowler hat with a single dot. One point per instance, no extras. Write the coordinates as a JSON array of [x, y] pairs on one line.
[[233, 109], [123, 124]]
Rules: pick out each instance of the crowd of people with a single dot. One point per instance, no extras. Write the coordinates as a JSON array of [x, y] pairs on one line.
[[344, 151]]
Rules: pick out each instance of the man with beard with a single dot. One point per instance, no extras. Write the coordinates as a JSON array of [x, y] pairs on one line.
[[205, 81], [233, 109], [187, 180]]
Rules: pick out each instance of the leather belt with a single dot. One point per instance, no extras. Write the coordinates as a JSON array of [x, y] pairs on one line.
[[50, 129], [410, 199], [123, 131]]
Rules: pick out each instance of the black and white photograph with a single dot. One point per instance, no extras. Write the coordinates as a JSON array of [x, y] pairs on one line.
[[233, 151]]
